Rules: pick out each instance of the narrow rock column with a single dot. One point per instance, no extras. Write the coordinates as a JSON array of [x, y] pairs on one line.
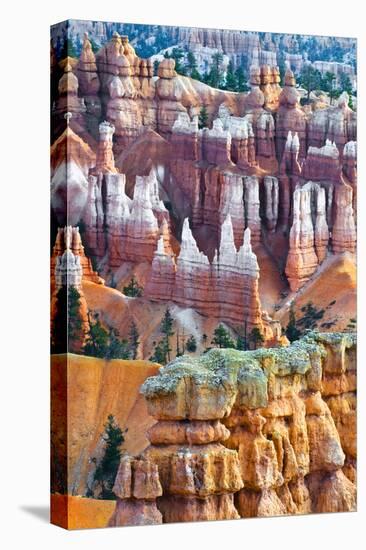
[[198, 474], [136, 487], [302, 260], [344, 230]]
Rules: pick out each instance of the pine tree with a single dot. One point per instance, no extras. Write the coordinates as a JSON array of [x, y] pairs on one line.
[[256, 337], [75, 322], [191, 62], [241, 80], [97, 339], [203, 117], [241, 343], [310, 79], [156, 67], [222, 338], [133, 289], [67, 324], [215, 75], [292, 332], [107, 469], [166, 328], [231, 80], [191, 344], [134, 339], [159, 355], [68, 49], [117, 348]]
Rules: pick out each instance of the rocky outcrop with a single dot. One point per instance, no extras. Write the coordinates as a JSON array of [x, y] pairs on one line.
[[68, 263], [322, 163], [281, 410], [198, 473], [89, 86], [68, 240], [71, 160], [136, 487], [290, 117], [344, 230], [271, 190], [308, 241], [225, 289], [337, 124], [105, 157]]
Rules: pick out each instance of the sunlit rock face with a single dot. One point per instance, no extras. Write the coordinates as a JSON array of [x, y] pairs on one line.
[[262, 426]]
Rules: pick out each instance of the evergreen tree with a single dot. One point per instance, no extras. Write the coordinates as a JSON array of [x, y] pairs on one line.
[[159, 355], [346, 86], [117, 349], [97, 339], [241, 80], [59, 328], [133, 289], [328, 84], [310, 79], [68, 324], [156, 67], [134, 339], [69, 49], [203, 117], [292, 332], [166, 328], [106, 471], [231, 80], [94, 46], [191, 62], [242, 339], [75, 320], [241, 343], [222, 338], [191, 344], [256, 337], [178, 55], [215, 75], [196, 74]]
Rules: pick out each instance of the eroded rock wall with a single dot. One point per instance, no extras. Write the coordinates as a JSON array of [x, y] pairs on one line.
[[273, 427]]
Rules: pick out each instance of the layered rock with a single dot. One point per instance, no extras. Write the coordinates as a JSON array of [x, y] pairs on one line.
[[237, 275], [261, 120], [198, 473], [105, 157], [290, 117], [136, 487], [67, 265], [160, 285], [288, 452], [68, 240], [338, 124], [350, 161], [225, 289], [290, 171], [344, 230], [271, 190], [322, 163], [216, 144], [89, 86], [270, 79], [193, 281], [242, 137], [71, 160], [302, 259], [68, 101]]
